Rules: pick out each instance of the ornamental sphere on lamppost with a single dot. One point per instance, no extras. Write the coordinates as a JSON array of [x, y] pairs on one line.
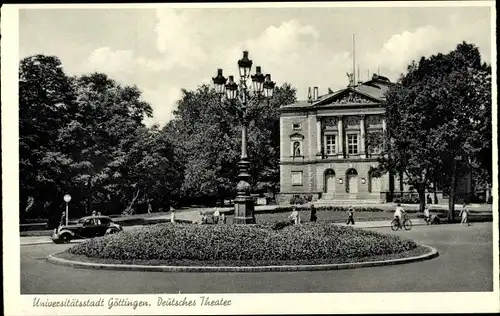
[[239, 97]]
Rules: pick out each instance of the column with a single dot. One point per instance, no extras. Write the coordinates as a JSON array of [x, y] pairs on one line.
[[383, 133], [340, 145], [318, 137], [362, 140]]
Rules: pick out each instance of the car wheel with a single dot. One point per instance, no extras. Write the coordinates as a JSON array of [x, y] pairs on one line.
[[65, 238]]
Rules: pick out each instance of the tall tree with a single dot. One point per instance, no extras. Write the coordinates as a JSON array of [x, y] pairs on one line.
[[46, 102], [99, 137], [438, 119], [208, 133]]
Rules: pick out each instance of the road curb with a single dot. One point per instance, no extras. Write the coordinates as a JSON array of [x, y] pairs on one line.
[[433, 253], [49, 242]]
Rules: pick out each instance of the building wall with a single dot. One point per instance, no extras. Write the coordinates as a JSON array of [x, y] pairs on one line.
[[313, 164]]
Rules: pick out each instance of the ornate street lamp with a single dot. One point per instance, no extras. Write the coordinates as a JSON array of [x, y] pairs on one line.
[[239, 97]]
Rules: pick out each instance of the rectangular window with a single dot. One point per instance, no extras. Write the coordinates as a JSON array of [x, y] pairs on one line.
[[330, 144], [296, 177], [296, 126], [352, 144]]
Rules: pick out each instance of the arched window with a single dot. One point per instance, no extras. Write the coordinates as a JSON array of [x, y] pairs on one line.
[[296, 149]]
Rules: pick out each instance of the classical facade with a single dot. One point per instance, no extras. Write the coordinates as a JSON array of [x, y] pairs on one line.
[[324, 149]]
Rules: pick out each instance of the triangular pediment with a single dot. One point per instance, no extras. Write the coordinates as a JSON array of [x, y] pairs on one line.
[[347, 96]]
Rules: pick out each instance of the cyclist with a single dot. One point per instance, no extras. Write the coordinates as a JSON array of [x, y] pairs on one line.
[[398, 214]]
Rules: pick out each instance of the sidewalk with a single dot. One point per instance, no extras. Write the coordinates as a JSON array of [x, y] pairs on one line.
[[41, 240], [378, 224]]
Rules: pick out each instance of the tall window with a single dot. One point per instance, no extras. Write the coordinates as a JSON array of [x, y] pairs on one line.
[[352, 144], [330, 144], [296, 177]]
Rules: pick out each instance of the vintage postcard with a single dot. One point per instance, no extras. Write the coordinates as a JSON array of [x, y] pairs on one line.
[[249, 158]]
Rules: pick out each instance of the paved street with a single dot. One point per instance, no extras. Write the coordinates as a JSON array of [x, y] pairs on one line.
[[465, 264]]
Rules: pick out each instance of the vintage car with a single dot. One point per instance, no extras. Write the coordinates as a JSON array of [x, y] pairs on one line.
[[86, 227]]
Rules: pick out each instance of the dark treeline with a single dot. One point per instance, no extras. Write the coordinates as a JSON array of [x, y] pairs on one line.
[[85, 136]]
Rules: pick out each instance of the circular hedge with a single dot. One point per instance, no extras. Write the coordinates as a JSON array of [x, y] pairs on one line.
[[184, 244]]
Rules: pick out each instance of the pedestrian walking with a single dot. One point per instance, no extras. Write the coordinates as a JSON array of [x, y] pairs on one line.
[[203, 218], [295, 216], [313, 214], [223, 218], [216, 216], [63, 219], [95, 221], [464, 213], [429, 199], [350, 215], [427, 215], [172, 216]]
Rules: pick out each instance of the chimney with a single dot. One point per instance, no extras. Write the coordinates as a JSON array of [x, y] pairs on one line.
[[315, 95], [309, 96]]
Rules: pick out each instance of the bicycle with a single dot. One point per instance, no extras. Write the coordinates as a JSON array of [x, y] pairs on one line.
[[395, 224]]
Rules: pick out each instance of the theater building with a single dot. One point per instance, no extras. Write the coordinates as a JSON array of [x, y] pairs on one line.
[[324, 150]]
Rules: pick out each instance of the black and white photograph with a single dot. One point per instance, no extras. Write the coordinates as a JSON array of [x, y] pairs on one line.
[[227, 158]]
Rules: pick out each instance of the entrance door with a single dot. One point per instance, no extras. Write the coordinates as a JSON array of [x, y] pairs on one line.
[[375, 184], [329, 181], [352, 181]]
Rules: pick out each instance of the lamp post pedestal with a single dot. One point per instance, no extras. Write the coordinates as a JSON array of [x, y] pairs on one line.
[[244, 204]]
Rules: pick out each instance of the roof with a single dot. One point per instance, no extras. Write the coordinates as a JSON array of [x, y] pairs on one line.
[[298, 104], [373, 91], [96, 216]]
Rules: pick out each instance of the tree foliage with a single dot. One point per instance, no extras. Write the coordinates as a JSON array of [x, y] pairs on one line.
[[439, 120], [208, 135], [84, 136]]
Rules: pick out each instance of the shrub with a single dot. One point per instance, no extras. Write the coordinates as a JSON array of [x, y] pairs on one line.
[[283, 209], [242, 244], [282, 224], [301, 199]]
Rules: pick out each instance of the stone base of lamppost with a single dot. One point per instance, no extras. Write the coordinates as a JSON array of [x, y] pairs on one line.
[[244, 210], [243, 204]]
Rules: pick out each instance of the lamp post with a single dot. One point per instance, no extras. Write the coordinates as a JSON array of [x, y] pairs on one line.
[[67, 198], [239, 96]]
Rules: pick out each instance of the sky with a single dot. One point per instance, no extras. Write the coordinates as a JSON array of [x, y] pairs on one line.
[[167, 49]]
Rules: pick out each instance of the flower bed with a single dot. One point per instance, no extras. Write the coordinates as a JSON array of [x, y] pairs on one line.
[[239, 245]]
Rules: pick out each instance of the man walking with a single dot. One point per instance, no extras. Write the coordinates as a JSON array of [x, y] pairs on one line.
[[313, 217], [350, 215], [216, 216], [427, 215], [464, 213]]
